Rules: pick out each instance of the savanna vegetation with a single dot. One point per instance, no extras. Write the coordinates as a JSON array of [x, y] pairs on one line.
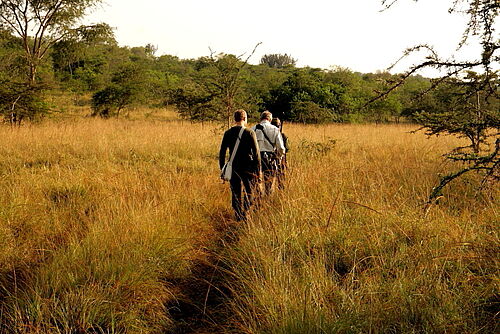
[[86, 63], [113, 219], [120, 226]]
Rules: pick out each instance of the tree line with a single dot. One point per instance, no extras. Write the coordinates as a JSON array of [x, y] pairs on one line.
[[87, 60]]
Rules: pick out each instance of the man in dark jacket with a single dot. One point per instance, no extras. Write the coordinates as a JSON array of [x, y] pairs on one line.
[[246, 164]]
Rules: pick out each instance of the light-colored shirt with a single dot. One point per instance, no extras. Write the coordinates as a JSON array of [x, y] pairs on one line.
[[274, 135]]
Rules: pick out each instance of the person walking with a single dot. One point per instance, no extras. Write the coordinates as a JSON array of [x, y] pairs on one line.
[[246, 164], [282, 163], [271, 148]]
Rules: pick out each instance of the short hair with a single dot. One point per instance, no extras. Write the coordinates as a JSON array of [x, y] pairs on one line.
[[266, 115], [240, 115], [276, 122]]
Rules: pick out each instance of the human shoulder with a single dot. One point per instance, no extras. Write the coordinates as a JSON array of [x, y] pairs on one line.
[[265, 125], [250, 132], [272, 128], [233, 129]]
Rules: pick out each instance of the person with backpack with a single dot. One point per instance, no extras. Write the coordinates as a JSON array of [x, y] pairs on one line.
[[271, 148], [243, 170], [282, 163]]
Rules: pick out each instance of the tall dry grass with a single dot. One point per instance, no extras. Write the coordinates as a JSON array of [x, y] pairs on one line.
[[347, 247], [100, 219], [96, 218]]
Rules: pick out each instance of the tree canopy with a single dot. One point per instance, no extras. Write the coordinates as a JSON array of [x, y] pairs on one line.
[[40, 24], [277, 60]]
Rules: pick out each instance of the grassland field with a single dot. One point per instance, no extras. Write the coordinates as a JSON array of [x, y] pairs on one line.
[[105, 224]]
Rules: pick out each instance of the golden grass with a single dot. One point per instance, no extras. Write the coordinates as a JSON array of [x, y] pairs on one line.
[[347, 247], [96, 216], [99, 219]]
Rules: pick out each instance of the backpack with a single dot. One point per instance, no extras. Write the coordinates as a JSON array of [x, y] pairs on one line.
[[269, 159]]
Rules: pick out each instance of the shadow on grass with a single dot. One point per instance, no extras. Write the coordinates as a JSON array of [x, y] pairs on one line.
[[202, 305]]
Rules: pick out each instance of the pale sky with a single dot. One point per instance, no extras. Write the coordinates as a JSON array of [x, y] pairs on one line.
[[319, 33]]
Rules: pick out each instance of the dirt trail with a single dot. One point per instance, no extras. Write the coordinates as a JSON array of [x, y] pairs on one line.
[[202, 307]]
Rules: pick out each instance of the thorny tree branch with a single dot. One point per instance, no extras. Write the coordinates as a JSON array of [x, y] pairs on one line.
[[481, 23], [489, 163], [432, 61]]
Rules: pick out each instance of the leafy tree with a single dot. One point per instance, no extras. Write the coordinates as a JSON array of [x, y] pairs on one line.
[[277, 60], [173, 75], [11, 56], [80, 58], [387, 108], [411, 101], [151, 50], [126, 89], [306, 97], [258, 83], [353, 89], [38, 24], [224, 82], [195, 103], [19, 102], [48, 20], [383, 110], [110, 101], [307, 111], [221, 81]]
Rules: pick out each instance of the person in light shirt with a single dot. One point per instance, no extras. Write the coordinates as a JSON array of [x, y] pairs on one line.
[[271, 148]]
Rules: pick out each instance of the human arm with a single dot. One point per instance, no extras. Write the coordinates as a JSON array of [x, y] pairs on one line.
[[254, 144], [285, 142], [280, 147], [222, 152]]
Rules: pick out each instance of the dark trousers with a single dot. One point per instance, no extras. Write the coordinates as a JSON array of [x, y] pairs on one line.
[[280, 173], [242, 200], [269, 166]]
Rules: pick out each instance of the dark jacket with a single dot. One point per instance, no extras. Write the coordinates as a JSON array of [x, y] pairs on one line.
[[247, 159]]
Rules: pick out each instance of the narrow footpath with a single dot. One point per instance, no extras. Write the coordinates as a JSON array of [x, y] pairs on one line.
[[202, 305]]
